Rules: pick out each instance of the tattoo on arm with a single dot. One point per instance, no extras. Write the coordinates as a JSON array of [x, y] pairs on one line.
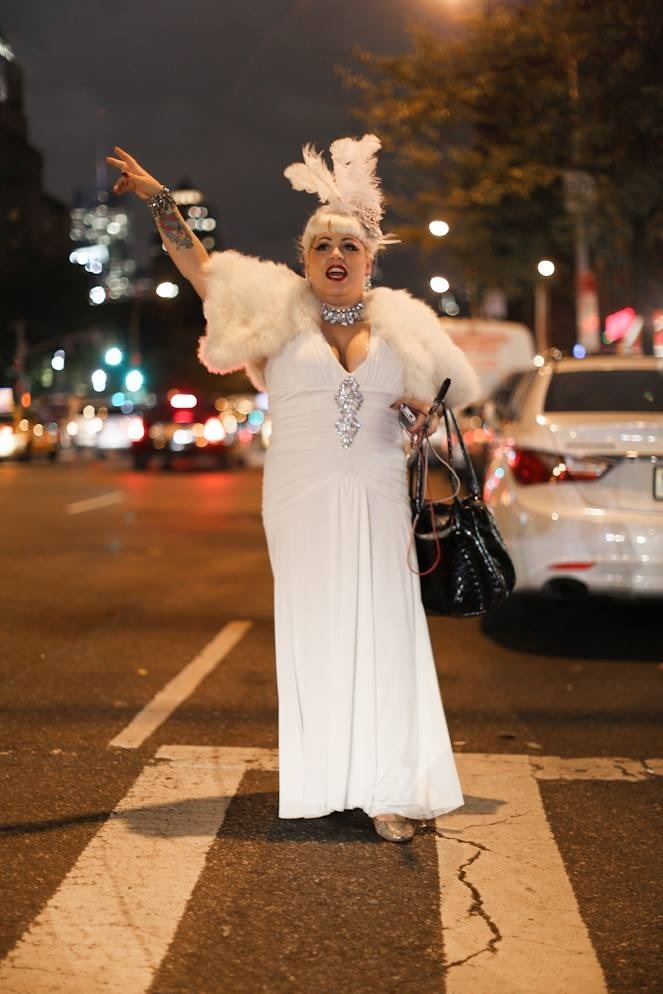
[[172, 228]]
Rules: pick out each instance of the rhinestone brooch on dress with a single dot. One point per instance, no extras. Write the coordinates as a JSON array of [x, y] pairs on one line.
[[349, 400]]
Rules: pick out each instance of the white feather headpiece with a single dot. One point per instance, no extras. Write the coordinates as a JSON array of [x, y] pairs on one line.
[[351, 188]]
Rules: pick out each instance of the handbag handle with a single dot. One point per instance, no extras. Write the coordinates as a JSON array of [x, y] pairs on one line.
[[448, 415], [420, 462]]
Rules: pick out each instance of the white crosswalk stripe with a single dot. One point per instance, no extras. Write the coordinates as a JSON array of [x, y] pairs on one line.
[[503, 884]]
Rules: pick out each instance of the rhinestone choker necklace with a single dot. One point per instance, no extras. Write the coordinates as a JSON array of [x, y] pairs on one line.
[[342, 315]]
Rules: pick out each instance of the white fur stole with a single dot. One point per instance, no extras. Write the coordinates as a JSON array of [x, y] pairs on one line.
[[253, 307]]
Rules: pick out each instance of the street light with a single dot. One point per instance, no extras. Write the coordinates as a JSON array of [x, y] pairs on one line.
[[134, 380], [545, 268], [438, 228], [438, 284], [167, 290], [57, 362], [113, 356], [99, 380], [97, 295]]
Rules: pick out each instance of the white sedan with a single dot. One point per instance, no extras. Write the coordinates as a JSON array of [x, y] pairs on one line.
[[575, 479]]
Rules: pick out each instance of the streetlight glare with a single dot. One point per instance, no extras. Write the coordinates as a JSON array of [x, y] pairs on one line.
[[438, 284], [134, 380], [113, 356], [167, 289], [97, 295], [546, 267], [99, 380], [438, 228], [57, 362]]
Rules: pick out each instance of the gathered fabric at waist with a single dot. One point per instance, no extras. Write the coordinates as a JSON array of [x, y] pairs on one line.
[[306, 454], [306, 421]]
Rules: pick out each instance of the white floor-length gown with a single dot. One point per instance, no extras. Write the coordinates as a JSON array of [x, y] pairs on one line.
[[361, 721]]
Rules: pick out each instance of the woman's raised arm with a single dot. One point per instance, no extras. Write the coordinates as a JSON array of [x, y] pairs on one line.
[[184, 248]]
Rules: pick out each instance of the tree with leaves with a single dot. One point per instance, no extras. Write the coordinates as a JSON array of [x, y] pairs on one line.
[[489, 123]]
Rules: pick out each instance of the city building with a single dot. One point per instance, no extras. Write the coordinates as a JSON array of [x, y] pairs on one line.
[[34, 227], [101, 232]]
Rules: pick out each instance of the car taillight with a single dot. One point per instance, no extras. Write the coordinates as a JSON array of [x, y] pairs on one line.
[[531, 466], [214, 430], [136, 429]]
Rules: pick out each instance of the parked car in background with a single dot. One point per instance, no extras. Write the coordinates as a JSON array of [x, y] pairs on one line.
[[500, 352], [575, 477], [99, 428], [25, 432], [183, 425], [494, 348], [478, 424]]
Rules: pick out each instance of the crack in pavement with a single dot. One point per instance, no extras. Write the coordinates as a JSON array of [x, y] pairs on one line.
[[476, 907], [484, 824]]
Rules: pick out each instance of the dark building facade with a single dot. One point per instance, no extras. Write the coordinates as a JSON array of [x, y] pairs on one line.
[[33, 225]]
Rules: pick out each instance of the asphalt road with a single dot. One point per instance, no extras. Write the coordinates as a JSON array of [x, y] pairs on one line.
[[170, 864]]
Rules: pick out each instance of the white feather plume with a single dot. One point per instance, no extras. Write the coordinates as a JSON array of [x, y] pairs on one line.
[[352, 187], [354, 173], [313, 175]]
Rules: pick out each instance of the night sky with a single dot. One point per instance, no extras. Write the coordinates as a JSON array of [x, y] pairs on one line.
[[224, 93]]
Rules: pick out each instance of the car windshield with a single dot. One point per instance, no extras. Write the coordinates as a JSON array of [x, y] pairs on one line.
[[606, 390]]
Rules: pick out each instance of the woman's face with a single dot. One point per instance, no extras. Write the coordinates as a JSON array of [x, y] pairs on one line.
[[337, 266]]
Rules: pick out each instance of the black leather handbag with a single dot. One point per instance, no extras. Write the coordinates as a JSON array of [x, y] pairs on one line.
[[463, 564]]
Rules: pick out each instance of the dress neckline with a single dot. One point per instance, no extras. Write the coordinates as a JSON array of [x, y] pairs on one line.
[[348, 372]]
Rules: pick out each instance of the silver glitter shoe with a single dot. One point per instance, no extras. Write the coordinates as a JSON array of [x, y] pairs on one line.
[[394, 829]]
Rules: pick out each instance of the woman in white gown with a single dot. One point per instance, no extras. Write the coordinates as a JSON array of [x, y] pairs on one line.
[[361, 721]]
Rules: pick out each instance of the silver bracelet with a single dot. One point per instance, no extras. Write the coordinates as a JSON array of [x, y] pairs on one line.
[[161, 202]]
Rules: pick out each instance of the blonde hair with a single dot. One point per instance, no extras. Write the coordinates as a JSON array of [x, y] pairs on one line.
[[326, 222]]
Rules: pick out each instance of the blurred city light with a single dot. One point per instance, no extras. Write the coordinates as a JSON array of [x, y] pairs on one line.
[[183, 400], [97, 295], [117, 399], [57, 362], [438, 228], [98, 379], [167, 290], [214, 430], [134, 380], [579, 351], [439, 285], [618, 324], [113, 356], [136, 430], [538, 360], [546, 267], [449, 305]]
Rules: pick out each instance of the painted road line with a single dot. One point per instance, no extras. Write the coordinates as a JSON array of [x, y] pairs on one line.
[[92, 503], [593, 768], [180, 687], [224, 756], [110, 922], [510, 919]]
